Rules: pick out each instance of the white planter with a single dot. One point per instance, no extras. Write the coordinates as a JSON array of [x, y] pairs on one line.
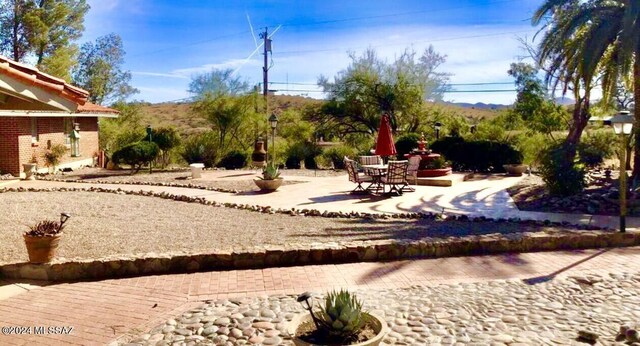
[[29, 171], [196, 170]]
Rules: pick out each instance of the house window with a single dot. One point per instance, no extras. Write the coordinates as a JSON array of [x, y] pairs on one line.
[[34, 130]]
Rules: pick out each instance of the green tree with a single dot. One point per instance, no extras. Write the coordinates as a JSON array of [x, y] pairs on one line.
[[218, 82], [585, 39], [370, 86], [533, 106], [44, 29], [99, 70]]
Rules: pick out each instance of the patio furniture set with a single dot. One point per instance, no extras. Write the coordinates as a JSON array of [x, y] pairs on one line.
[[373, 170]]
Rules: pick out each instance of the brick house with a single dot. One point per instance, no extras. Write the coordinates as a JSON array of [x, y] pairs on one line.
[[38, 111]]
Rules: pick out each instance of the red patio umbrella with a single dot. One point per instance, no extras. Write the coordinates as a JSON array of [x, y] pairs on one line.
[[385, 145]]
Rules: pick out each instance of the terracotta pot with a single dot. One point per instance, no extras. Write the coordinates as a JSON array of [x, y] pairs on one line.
[[268, 185], [379, 326], [515, 170], [41, 249], [259, 155], [30, 170]]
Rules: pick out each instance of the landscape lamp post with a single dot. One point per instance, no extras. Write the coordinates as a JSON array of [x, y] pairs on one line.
[[622, 125], [273, 121], [437, 127], [149, 132]]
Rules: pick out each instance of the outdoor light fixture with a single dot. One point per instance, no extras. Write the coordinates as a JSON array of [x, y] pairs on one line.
[[64, 217], [623, 125], [437, 126], [273, 121]]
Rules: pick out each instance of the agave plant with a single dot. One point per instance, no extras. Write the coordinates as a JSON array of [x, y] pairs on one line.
[[48, 228], [270, 172], [342, 315]]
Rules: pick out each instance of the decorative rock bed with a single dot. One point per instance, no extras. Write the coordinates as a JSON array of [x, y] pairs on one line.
[[583, 237], [495, 312]]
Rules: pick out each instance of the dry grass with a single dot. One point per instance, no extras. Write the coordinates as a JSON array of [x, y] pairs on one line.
[[105, 224]]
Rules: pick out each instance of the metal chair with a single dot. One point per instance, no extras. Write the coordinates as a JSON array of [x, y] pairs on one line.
[[370, 160], [396, 176], [355, 177], [412, 172]]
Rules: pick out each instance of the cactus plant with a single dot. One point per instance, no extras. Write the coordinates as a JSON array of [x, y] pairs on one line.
[[270, 172], [342, 315]]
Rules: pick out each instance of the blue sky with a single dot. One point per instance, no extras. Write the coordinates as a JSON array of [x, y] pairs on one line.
[[167, 42]]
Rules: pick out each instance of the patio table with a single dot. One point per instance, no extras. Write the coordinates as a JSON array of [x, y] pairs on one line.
[[376, 172]]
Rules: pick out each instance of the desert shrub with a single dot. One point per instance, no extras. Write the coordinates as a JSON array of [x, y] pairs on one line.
[[201, 148], [562, 177], [477, 156], [406, 143], [531, 146], [322, 162], [438, 163], [167, 139], [302, 152], [53, 155], [137, 154], [597, 146], [336, 155], [234, 159]]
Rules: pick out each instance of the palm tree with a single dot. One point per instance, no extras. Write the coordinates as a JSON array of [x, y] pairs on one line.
[[586, 40]]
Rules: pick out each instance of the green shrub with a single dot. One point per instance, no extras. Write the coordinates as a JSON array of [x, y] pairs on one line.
[[406, 143], [336, 155], [52, 156], [234, 159], [136, 154], [201, 148], [562, 177], [597, 146], [477, 156], [167, 138], [438, 163], [302, 152], [531, 146]]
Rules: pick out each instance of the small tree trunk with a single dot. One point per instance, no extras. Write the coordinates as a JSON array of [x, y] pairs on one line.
[[580, 120], [636, 94]]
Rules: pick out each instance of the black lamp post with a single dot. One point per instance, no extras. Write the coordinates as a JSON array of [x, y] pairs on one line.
[[623, 125], [149, 133], [273, 121], [437, 126]]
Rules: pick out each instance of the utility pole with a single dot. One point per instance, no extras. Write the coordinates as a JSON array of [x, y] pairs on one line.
[[265, 68]]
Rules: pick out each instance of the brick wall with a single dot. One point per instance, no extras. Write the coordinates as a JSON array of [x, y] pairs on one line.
[[51, 132], [9, 145]]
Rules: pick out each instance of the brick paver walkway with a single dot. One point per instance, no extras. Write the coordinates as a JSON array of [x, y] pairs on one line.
[[103, 311]]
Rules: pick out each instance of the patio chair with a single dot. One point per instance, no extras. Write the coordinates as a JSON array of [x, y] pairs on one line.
[[355, 177], [396, 176], [412, 172], [370, 160]]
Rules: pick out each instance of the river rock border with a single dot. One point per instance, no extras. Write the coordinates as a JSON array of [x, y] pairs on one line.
[[582, 237]]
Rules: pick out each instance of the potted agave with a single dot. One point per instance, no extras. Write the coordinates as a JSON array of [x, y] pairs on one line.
[[270, 180], [341, 321], [43, 238]]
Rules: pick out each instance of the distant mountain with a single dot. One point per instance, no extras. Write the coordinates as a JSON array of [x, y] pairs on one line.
[[479, 105], [564, 101]]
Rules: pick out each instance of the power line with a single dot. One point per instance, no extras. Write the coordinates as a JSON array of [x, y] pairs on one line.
[[444, 91], [400, 14], [195, 43], [403, 43]]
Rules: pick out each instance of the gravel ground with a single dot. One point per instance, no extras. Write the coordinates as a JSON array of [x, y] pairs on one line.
[[233, 180], [105, 224], [515, 312]]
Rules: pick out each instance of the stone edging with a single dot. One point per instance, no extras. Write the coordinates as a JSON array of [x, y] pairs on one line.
[[583, 237], [300, 254]]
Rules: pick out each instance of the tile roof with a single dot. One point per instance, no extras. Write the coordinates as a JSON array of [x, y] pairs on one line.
[[94, 108], [31, 75]]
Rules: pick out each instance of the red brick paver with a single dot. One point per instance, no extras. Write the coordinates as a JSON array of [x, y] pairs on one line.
[[105, 310]]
